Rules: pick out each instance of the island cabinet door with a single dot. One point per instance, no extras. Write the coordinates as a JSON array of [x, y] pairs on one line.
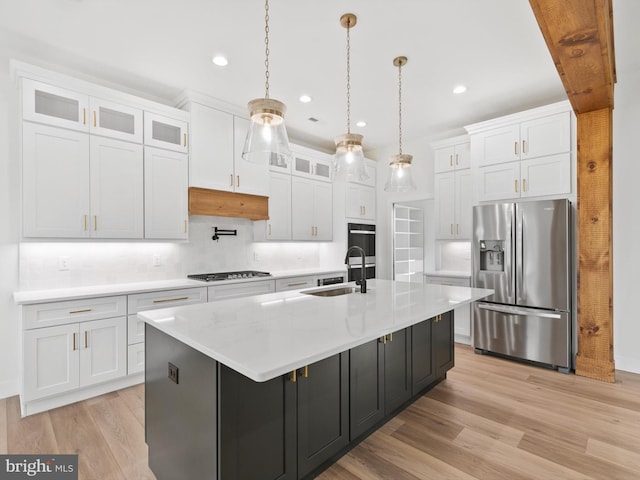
[[397, 370], [423, 372], [366, 385], [257, 428], [323, 411], [442, 331]]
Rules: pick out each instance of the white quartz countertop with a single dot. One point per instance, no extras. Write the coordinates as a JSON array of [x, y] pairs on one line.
[[448, 273], [265, 336], [26, 297]]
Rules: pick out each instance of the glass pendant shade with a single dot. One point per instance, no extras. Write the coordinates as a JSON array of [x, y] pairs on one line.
[[400, 178], [349, 160], [267, 142]]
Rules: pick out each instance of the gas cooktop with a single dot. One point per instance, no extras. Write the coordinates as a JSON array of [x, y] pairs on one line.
[[215, 277]]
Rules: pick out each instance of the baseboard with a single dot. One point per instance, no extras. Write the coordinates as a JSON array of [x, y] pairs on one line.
[[628, 364], [9, 388]]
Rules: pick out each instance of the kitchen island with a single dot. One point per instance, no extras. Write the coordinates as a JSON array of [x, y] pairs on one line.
[[278, 386]]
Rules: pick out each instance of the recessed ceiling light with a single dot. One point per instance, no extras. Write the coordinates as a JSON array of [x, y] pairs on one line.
[[361, 124], [459, 89], [220, 61], [305, 98]]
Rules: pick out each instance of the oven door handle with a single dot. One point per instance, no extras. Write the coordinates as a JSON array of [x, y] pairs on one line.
[[366, 232]]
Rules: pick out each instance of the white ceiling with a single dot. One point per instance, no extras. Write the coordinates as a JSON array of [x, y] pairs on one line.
[[159, 48]]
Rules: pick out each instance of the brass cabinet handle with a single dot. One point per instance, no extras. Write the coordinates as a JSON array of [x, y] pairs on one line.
[[391, 337], [524, 184], [85, 223], [231, 180], [165, 300], [293, 376], [457, 229], [84, 116], [515, 185], [305, 371], [524, 146], [185, 226], [515, 148], [95, 119], [451, 160], [74, 341], [457, 163], [184, 136], [86, 339], [95, 223], [80, 311], [451, 228], [364, 210], [296, 284], [238, 181]]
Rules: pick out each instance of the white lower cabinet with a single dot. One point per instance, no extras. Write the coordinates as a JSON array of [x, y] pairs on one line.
[[462, 315], [238, 290], [62, 358], [296, 283]]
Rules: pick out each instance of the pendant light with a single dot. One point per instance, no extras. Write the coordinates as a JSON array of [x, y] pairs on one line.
[[400, 178], [349, 159], [267, 141]]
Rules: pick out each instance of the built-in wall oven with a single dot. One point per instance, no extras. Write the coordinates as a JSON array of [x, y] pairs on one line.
[[362, 235]]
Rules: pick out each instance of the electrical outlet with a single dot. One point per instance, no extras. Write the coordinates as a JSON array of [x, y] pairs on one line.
[[173, 373], [63, 263], [157, 260]]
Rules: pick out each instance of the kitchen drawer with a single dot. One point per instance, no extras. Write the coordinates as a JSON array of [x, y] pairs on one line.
[[238, 290], [73, 311], [295, 283], [453, 281], [135, 330], [166, 298], [135, 358]]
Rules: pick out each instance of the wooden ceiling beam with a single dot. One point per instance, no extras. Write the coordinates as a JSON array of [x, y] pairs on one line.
[[579, 35]]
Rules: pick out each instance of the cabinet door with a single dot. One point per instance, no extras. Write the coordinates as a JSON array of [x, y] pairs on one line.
[[302, 209], [55, 176], [51, 364], [442, 336], [257, 427], [366, 386], [117, 197], [114, 120], [354, 203], [323, 211], [311, 164], [546, 136], [445, 204], [463, 204], [499, 145], [549, 175], [499, 182], [165, 194], [323, 412], [397, 370], [462, 156], [423, 372], [55, 106], [250, 178], [368, 200], [211, 152], [279, 224], [361, 202], [444, 159], [103, 350], [166, 132]]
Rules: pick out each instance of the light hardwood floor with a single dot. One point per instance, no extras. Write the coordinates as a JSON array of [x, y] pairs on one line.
[[491, 419]]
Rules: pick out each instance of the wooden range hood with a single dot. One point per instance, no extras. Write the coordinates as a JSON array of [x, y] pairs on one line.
[[218, 203]]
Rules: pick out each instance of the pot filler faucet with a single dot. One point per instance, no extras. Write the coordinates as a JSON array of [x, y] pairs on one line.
[[362, 282]]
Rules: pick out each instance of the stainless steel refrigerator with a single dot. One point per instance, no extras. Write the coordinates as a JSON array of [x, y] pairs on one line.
[[523, 252]]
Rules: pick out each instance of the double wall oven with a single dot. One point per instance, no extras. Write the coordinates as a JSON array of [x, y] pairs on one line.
[[362, 235]]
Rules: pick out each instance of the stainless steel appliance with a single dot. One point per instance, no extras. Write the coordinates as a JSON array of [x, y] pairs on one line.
[[333, 280], [523, 252], [216, 277], [361, 235]]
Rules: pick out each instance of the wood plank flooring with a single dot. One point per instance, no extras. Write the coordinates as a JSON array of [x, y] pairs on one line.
[[491, 419]]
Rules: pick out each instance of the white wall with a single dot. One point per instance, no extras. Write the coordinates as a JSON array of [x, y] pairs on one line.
[[626, 223]]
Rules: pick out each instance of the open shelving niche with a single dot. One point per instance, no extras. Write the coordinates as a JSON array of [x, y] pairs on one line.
[[408, 243]]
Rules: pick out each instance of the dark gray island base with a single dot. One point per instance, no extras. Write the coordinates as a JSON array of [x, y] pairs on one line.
[[214, 423]]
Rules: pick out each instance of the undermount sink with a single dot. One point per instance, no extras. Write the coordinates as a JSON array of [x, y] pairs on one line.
[[333, 292]]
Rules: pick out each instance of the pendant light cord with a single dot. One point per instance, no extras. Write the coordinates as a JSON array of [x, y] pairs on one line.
[[400, 107], [348, 79], [266, 47]]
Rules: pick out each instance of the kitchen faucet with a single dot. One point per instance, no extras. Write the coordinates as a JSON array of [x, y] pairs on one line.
[[362, 282]]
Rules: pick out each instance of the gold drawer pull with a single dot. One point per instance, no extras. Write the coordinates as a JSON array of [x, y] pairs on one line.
[[74, 342], [293, 376], [515, 148], [305, 371], [515, 185], [86, 339], [84, 116], [171, 300], [80, 311], [185, 140], [524, 184], [296, 284], [95, 123]]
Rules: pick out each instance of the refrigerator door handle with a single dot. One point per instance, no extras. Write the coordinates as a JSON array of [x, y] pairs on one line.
[[518, 311]]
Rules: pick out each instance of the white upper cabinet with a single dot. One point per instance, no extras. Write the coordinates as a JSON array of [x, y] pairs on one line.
[[371, 170], [216, 153], [528, 154], [361, 202], [53, 105], [311, 209], [113, 120], [117, 195], [311, 164], [55, 182], [278, 227], [452, 157], [166, 180], [165, 132], [453, 202]]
